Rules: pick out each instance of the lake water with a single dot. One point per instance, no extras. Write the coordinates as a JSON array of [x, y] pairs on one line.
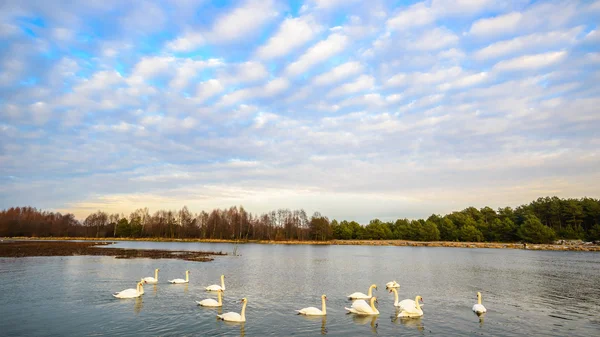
[[526, 292]]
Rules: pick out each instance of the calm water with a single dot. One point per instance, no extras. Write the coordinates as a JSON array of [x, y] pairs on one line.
[[525, 292]]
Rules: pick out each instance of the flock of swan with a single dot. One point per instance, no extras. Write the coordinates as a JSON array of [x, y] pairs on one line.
[[408, 307]]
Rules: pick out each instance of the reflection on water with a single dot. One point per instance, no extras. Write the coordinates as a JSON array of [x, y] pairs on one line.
[[366, 319], [322, 319], [139, 304], [526, 292], [411, 323]]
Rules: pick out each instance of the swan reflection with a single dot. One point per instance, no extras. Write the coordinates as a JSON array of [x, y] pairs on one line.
[[412, 323], [240, 324], [138, 305], [322, 319], [366, 319]]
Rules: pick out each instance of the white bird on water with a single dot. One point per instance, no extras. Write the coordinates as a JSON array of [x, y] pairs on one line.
[[361, 307], [131, 293], [312, 311], [150, 279], [479, 308], [234, 316], [209, 302], [179, 280], [216, 287], [361, 296]]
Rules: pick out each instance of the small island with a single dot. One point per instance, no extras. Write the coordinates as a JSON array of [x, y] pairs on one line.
[[9, 248]]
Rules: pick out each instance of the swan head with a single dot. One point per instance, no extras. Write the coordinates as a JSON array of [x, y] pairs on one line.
[[323, 297], [243, 300], [478, 294], [374, 286], [419, 298], [222, 276]]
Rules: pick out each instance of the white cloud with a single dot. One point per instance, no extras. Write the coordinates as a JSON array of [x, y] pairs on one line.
[[497, 25], [40, 112], [424, 78], [362, 83], [548, 15], [338, 73], [245, 72], [434, 39], [465, 81], [331, 4], [529, 62], [292, 33], [521, 43], [318, 53], [416, 15], [270, 89], [243, 21], [187, 42], [208, 89]]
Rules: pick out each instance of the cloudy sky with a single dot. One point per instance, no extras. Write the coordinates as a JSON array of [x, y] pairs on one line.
[[356, 109]]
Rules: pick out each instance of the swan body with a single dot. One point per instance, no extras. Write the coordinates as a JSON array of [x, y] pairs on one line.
[[411, 310], [361, 296], [216, 287], [209, 302], [403, 303], [361, 307], [392, 284], [312, 311], [479, 308], [150, 279], [131, 293], [234, 316], [180, 280]]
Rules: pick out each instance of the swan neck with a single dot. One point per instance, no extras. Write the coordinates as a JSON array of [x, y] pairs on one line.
[[156, 274], [395, 296], [141, 288], [370, 291], [417, 303], [373, 304], [187, 276], [222, 282], [478, 298], [323, 306], [243, 314]]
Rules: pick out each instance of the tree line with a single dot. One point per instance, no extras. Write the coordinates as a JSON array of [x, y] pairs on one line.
[[541, 221]]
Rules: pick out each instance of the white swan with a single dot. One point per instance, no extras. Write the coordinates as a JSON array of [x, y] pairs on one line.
[[479, 308], [131, 293], [150, 279], [216, 287], [361, 307], [361, 296], [209, 302], [312, 311], [180, 280], [412, 310], [403, 303], [234, 316], [392, 284]]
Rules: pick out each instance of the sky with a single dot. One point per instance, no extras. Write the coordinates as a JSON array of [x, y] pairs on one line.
[[356, 109]]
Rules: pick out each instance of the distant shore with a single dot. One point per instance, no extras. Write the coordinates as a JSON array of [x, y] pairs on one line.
[[496, 245]]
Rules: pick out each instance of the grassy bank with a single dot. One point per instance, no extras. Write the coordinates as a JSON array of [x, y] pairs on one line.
[[497, 245]]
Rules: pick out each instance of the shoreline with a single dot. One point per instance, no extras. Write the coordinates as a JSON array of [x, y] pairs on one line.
[[399, 243]]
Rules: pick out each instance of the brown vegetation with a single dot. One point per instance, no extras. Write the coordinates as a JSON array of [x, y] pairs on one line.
[[70, 248]]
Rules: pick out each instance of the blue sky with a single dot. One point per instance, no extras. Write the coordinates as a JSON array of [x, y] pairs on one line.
[[356, 109]]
